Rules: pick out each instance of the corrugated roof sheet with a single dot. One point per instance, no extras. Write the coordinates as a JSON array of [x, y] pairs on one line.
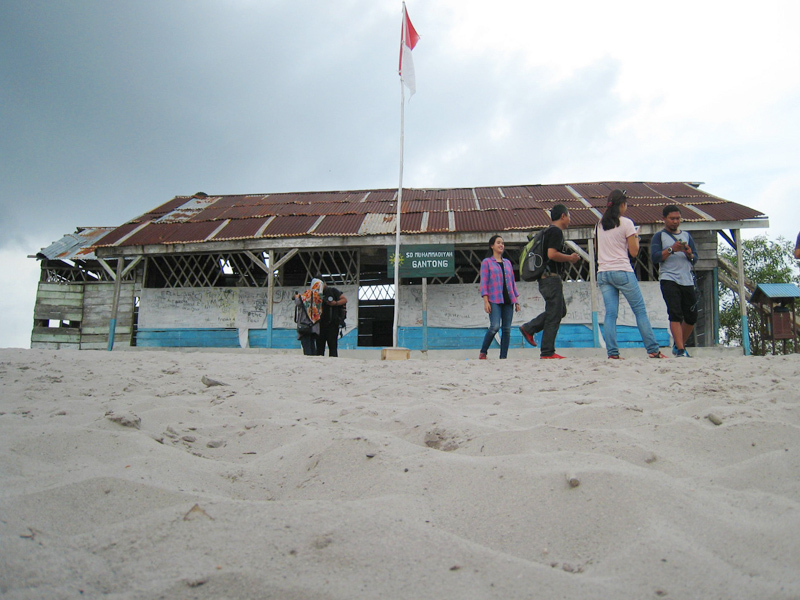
[[372, 212], [75, 246]]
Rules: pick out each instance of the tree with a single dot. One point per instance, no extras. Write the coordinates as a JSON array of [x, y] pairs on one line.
[[765, 261]]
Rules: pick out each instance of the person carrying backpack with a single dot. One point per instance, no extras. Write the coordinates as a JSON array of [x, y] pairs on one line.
[[332, 303], [676, 252], [551, 286]]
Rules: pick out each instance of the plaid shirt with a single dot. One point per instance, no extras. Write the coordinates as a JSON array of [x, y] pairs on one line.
[[492, 280]]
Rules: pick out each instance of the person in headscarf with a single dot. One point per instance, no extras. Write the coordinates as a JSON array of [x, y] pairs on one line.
[[308, 310]]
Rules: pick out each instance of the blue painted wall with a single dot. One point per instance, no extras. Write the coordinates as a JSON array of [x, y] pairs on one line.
[[439, 338]]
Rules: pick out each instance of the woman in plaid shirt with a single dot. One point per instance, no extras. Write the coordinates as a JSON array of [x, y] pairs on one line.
[[499, 291]]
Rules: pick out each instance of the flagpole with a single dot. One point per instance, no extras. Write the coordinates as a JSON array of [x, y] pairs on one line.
[[397, 220]]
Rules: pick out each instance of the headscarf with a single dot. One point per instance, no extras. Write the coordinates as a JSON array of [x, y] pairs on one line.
[[312, 300]]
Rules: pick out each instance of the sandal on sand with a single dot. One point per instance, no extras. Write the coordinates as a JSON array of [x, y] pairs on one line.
[[656, 355], [615, 357]]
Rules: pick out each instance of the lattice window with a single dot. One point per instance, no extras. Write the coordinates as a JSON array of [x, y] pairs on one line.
[[227, 269], [338, 267], [376, 292], [57, 271], [468, 266]]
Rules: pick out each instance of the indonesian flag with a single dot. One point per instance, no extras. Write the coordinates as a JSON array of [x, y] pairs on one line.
[[408, 39]]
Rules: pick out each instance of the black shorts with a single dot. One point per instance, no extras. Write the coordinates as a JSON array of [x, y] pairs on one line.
[[681, 302]]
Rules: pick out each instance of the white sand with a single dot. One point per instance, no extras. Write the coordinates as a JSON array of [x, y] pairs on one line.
[[309, 478]]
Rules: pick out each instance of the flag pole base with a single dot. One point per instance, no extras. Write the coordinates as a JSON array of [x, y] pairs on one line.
[[395, 353]]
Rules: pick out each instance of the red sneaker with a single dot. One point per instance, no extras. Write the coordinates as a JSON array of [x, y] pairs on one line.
[[481, 356], [553, 356], [528, 337]]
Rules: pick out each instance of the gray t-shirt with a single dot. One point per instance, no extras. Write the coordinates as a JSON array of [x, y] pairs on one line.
[[676, 267]]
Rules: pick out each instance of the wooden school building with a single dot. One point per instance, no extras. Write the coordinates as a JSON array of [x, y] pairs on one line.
[[221, 270]]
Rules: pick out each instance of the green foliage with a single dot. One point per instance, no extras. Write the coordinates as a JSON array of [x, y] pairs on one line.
[[765, 261]]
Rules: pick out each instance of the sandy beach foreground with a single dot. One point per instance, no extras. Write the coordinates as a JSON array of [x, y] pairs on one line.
[[128, 475]]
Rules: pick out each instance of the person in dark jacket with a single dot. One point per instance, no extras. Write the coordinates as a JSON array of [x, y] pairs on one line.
[[332, 301]]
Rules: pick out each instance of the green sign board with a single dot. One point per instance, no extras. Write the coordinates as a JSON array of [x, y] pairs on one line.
[[424, 260]]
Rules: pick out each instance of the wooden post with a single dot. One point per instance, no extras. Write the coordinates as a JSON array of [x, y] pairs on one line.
[[593, 284], [270, 299], [112, 324], [425, 314], [737, 233]]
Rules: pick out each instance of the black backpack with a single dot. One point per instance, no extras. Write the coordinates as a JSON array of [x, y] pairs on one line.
[[532, 262]]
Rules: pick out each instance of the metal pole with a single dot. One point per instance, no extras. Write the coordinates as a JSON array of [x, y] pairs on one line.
[[397, 224]]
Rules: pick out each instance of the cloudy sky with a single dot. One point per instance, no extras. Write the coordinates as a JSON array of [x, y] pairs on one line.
[[108, 109]]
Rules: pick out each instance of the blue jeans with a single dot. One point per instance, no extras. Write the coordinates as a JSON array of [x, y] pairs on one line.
[[611, 284], [500, 316]]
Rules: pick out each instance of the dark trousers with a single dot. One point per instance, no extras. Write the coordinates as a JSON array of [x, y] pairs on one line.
[[555, 309], [309, 344], [328, 334]]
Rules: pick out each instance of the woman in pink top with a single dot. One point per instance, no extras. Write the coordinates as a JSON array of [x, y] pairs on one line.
[[617, 239]]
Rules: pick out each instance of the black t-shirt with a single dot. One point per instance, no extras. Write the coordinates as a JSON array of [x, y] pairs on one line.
[[330, 313], [554, 238]]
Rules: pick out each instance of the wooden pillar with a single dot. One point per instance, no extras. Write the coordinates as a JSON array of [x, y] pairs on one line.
[[737, 233], [425, 314], [593, 287], [270, 296], [112, 324]]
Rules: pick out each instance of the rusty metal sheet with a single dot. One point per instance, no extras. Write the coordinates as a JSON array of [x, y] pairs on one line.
[[378, 224], [185, 233], [591, 190], [582, 217], [290, 225], [678, 190], [508, 203], [486, 220], [117, 234], [463, 204], [339, 225], [240, 229], [411, 223], [488, 192], [528, 218], [438, 222], [727, 211], [79, 245], [152, 233], [558, 193], [411, 206], [362, 212]]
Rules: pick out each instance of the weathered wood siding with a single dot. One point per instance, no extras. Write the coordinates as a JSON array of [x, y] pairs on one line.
[[98, 300], [88, 305], [706, 242], [57, 302]]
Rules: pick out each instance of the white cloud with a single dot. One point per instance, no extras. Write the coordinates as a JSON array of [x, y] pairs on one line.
[[18, 280]]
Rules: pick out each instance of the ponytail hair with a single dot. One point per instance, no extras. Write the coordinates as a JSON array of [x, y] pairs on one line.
[[610, 218]]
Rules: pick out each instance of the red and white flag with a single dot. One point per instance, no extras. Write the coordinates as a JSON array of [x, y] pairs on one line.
[[408, 40]]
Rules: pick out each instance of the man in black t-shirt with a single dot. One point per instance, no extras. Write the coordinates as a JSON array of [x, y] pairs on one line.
[[551, 286], [332, 299]]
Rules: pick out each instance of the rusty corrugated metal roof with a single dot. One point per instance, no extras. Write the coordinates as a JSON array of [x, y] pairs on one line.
[[75, 246], [373, 212]]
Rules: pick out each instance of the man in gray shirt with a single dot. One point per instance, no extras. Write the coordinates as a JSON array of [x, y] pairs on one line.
[[676, 252]]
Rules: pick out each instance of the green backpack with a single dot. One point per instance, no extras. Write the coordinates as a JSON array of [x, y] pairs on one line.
[[532, 263]]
